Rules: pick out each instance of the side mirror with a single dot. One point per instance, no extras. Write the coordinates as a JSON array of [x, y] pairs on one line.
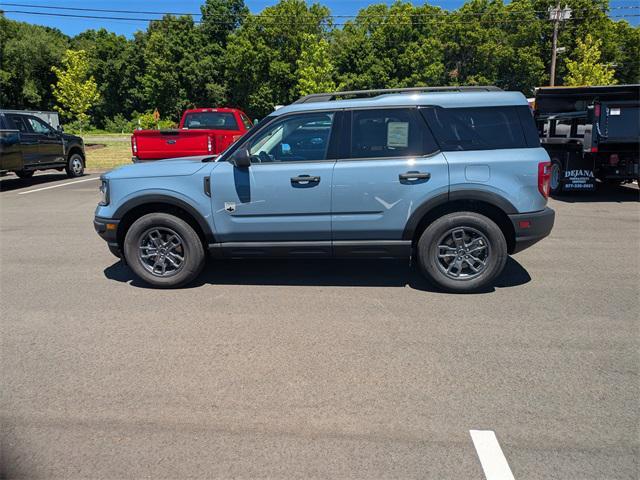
[[60, 129], [241, 158]]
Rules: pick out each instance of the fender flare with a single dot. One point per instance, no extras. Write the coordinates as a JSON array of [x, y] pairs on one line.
[[457, 195], [132, 203]]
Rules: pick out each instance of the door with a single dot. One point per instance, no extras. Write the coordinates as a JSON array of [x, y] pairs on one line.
[[28, 140], [51, 149], [388, 169], [285, 195]]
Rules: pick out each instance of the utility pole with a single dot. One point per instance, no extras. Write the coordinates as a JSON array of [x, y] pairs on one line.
[[556, 15]]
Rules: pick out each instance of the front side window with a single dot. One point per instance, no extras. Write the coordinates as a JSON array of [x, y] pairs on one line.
[[297, 138], [481, 128], [211, 121], [246, 121], [393, 132], [38, 126]]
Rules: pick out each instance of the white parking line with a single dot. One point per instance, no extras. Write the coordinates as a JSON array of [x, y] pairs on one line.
[[59, 185], [493, 462]]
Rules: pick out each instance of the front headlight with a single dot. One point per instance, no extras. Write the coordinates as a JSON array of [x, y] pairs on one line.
[[104, 192]]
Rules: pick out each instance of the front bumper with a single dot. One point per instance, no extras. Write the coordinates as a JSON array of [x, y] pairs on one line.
[[531, 227], [107, 229]]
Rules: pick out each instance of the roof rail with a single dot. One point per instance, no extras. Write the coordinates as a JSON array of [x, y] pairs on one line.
[[326, 97]]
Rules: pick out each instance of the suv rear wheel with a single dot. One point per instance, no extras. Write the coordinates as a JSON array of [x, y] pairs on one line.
[[462, 252], [164, 250]]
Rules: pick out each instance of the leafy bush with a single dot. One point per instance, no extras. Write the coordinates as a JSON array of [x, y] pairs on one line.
[[119, 124], [77, 127], [145, 121]]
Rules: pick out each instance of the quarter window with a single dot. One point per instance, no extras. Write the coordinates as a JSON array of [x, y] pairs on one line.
[[297, 138], [389, 133], [482, 128]]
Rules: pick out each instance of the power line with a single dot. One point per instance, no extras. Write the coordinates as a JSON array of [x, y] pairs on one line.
[[453, 16], [361, 15]]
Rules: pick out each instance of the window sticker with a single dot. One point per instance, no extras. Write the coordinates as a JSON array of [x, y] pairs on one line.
[[398, 134]]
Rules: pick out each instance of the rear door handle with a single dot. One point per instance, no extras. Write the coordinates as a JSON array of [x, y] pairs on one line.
[[414, 176], [305, 179]]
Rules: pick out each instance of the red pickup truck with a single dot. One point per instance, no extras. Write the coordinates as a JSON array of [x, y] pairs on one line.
[[202, 131]]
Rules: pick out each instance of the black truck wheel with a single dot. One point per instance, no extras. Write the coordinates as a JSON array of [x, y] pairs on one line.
[[75, 165], [462, 252], [24, 173], [556, 174], [164, 250]]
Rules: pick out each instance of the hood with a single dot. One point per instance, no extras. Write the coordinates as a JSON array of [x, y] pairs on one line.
[[174, 167], [71, 138]]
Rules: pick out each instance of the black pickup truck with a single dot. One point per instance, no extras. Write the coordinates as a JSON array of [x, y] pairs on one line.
[[28, 143], [590, 133]]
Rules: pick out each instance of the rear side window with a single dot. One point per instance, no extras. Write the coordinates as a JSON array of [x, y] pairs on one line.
[[482, 128], [394, 132], [20, 123]]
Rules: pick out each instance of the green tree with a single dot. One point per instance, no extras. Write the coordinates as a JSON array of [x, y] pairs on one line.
[[587, 68], [75, 91], [110, 62], [27, 53], [261, 56], [315, 69]]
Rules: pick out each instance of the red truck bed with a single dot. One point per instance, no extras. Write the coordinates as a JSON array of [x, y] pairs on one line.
[[202, 131]]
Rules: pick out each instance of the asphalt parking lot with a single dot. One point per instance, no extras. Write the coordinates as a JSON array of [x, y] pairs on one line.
[[293, 369]]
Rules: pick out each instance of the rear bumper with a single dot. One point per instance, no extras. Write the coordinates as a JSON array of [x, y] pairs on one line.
[[531, 227], [104, 228]]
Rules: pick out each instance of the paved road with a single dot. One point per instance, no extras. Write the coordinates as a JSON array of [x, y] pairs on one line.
[[315, 369]]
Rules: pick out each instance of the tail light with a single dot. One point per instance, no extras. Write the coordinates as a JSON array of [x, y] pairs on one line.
[[596, 111], [134, 144], [209, 144], [544, 178]]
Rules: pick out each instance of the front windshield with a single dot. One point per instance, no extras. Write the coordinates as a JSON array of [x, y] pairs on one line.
[[211, 120]]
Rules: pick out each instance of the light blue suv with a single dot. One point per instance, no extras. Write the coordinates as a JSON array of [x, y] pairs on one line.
[[453, 177]]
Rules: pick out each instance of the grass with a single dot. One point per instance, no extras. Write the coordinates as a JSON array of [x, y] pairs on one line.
[[111, 150]]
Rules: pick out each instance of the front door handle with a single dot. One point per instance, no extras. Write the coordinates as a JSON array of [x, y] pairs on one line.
[[305, 179], [414, 176]]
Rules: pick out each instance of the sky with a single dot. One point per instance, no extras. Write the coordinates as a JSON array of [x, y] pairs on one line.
[[72, 26]]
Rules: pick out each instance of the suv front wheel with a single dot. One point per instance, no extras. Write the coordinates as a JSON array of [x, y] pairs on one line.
[[164, 250], [462, 252]]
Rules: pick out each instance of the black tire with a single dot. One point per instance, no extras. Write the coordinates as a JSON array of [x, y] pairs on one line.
[[555, 186], [24, 173], [191, 250], [75, 165], [481, 231]]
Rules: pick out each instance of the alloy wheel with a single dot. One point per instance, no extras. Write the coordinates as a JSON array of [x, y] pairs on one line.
[[463, 253], [161, 251]]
